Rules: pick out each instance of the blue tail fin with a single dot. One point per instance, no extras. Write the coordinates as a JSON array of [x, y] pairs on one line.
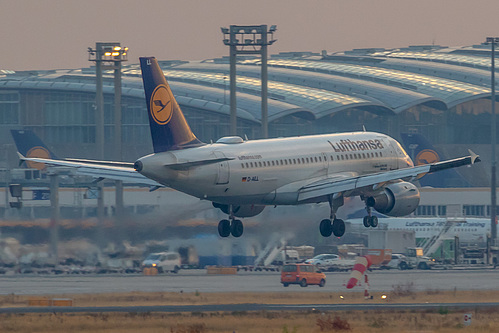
[[30, 145], [169, 129], [422, 152]]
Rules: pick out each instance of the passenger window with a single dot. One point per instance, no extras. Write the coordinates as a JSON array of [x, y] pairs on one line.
[[242, 165], [260, 164], [251, 164]]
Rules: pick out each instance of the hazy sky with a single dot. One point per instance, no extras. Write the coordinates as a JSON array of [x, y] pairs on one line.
[[50, 34]]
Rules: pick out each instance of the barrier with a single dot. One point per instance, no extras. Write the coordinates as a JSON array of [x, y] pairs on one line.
[[150, 271], [221, 270], [50, 302]]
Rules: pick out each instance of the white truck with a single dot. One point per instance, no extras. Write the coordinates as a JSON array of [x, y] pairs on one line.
[[416, 259], [163, 262]]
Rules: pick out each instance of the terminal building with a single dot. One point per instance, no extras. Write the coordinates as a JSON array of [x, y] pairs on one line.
[[442, 93]]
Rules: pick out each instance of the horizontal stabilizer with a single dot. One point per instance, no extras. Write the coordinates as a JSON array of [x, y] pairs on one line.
[[95, 169]]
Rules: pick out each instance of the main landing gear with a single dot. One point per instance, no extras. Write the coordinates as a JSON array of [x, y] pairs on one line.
[[333, 225], [231, 226], [370, 220]]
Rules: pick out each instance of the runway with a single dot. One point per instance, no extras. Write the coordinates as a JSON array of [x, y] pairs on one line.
[[250, 307], [198, 280]]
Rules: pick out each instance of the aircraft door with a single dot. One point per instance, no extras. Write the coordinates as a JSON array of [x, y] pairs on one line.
[[223, 169], [325, 162]]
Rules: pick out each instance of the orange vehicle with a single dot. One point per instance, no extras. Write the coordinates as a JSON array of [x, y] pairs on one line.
[[302, 274]]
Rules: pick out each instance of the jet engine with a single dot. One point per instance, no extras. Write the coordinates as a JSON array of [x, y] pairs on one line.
[[397, 199], [240, 211]]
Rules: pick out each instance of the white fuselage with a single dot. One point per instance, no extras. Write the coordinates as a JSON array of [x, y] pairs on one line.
[[466, 228], [258, 170]]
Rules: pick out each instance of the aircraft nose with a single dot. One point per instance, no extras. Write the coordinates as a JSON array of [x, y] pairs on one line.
[[138, 166]]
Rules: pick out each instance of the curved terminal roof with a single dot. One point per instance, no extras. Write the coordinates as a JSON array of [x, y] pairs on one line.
[[389, 99], [451, 92], [317, 101], [303, 84]]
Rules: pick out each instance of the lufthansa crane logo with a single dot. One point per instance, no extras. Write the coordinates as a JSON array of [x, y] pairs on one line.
[[161, 105], [39, 152], [427, 156]]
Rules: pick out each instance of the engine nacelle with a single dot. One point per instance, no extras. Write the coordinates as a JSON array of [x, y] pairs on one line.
[[241, 211], [397, 199]]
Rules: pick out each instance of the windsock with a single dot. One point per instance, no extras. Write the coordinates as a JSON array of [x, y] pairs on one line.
[[361, 265]]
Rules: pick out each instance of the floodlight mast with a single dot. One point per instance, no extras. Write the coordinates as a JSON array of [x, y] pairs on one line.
[[493, 41], [108, 56], [249, 39]]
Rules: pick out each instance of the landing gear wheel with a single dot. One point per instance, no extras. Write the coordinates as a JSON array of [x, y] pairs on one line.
[[224, 228], [236, 228], [325, 228], [366, 222], [338, 227], [374, 221]]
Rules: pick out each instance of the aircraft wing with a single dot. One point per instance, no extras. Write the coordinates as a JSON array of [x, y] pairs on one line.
[[332, 185], [99, 169]]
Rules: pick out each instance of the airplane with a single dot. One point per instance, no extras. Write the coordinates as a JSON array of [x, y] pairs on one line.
[[468, 229], [30, 146], [242, 177], [422, 151]]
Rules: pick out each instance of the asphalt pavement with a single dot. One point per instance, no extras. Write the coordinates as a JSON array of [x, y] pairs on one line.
[[199, 280]]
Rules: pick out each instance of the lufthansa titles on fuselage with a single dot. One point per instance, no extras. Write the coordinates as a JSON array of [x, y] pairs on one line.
[[349, 145], [249, 157]]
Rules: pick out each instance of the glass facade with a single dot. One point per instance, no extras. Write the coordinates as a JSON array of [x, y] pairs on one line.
[[306, 96], [9, 108]]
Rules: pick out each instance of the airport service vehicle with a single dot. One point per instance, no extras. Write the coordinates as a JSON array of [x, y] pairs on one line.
[[302, 274], [398, 261], [416, 259], [331, 262], [242, 177], [163, 262], [324, 259], [288, 256]]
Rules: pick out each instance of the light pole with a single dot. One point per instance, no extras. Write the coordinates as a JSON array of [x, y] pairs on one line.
[[248, 39], [493, 41], [108, 56]]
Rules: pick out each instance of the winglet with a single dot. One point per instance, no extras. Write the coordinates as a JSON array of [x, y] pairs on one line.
[[21, 158], [474, 157]]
